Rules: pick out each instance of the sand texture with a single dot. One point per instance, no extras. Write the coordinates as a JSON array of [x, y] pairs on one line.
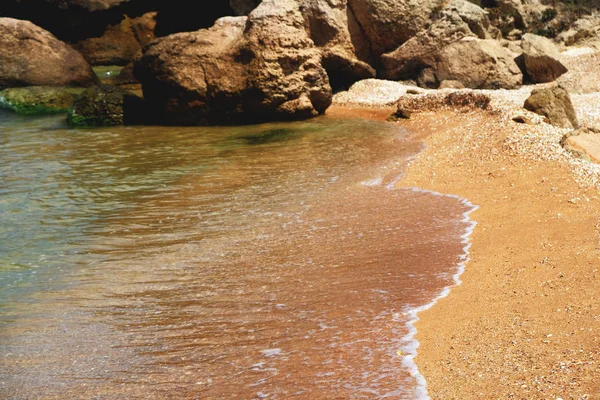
[[525, 322]]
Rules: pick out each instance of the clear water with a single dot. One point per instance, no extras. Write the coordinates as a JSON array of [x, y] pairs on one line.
[[271, 261]]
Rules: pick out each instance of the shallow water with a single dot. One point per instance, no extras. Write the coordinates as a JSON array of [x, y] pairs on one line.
[[271, 261]]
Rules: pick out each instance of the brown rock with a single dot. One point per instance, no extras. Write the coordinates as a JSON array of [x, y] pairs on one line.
[[327, 23], [118, 45], [554, 104], [475, 17], [421, 51], [583, 143], [243, 7], [389, 23], [31, 56], [541, 58], [143, 28], [479, 64], [244, 69], [428, 79], [447, 84]]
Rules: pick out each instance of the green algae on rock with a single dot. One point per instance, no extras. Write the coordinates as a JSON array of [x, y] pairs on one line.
[[36, 100], [105, 105]]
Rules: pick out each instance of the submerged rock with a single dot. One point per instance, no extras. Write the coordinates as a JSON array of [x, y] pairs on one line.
[[554, 104], [36, 100], [31, 56], [106, 105]]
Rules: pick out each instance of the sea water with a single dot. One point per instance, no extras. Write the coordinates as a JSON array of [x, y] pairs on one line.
[[271, 261]]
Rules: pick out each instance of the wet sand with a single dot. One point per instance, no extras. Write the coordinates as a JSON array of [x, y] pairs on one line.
[[524, 323]]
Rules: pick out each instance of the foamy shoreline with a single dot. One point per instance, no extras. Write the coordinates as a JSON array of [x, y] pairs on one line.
[[523, 323]]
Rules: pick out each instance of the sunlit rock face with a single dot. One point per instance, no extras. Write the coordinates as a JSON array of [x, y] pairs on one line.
[[243, 69], [31, 56]]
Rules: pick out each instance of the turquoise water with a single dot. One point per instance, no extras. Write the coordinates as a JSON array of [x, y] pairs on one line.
[[268, 261]]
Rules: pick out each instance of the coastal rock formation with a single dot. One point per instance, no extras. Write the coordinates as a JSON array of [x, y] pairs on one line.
[[389, 23], [105, 105], [475, 17], [344, 49], [582, 29], [422, 50], [36, 100], [260, 68], [120, 43], [479, 64], [554, 104], [541, 59], [31, 56], [117, 46]]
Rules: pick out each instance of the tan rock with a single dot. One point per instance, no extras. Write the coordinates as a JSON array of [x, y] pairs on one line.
[[541, 58], [421, 51], [389, 23], [328, 24], [583, 143], [244, 69], [479, 64], [31, 56], [554, 104]]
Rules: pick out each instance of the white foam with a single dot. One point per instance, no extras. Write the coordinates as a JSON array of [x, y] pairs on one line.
[[410, 343]]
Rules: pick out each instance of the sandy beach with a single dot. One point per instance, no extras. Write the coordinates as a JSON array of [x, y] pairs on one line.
[[524, 323]]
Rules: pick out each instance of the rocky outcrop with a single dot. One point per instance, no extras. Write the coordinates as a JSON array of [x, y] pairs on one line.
[[344, 52], [475, 17], [479, 64], [422, 50], [120, 43], [581, 30], [541, 58], [389, 23], [36, 100], [106, 105], [117, 46], [260, 68], [554, 104], [31, 56]]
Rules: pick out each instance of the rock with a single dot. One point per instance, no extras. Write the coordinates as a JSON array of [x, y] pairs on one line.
[[522, 119], [511, 16], [327, 23], [554, 104], [428, 79], [479, 64], [106, 105], [372, 93], [541, 58], [126, 76], [448, 84], [244, 69], [243, 7], [36, 100], [583, 143], [584, 28], [389, 23], [421, 51], [31, 56], [401, 113], [475, 17], [143, 28], [118, 46]]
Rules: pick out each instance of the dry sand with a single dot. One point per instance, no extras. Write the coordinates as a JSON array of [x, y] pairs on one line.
[[525, 322]]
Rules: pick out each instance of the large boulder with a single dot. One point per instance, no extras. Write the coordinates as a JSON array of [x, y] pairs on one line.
[[243, 69], [106, 105], [36, 100], [479, 64], [541, 58], [31, 56], [421, 51], [344, 50], [389, 23], [475, 16], [554, 104]]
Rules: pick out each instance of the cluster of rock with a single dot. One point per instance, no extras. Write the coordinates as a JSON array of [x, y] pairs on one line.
[[255, 61]]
